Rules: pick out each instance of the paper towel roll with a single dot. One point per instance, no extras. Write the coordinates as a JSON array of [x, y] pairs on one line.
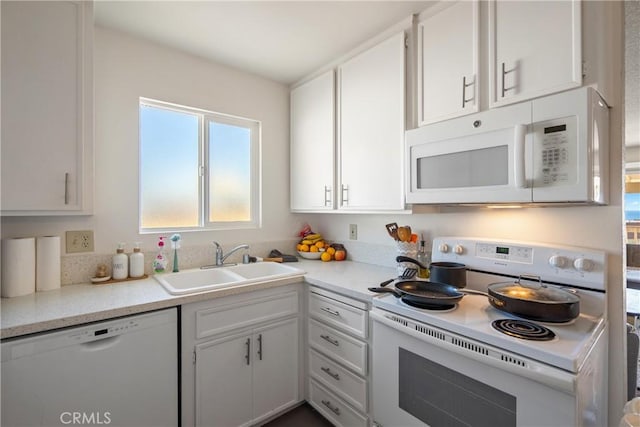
[[18, 267], [47, 263]]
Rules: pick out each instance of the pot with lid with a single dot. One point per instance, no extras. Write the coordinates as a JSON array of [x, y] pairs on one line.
[[535, 302]]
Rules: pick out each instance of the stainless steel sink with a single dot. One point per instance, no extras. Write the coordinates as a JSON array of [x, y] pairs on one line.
[[199, 280]]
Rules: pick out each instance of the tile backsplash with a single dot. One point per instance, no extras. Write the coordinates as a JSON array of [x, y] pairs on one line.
[[80, 268]]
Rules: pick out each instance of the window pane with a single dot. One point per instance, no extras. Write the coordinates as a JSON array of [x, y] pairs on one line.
[[229, 173], [169, 182]]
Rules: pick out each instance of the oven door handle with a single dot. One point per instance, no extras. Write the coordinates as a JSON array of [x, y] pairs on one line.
[[539, 372]]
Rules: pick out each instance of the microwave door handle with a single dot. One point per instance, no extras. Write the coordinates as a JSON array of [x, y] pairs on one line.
[[518, 153]]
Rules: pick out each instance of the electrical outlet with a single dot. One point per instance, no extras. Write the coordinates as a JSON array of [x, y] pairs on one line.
[[79, 241], [353, 231]]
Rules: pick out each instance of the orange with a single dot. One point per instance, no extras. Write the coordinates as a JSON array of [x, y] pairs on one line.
[[325, 256], [340, 255], [313, 248], [304, 248], [320, 244], [330, 250]]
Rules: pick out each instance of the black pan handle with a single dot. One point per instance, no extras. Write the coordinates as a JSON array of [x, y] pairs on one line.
[[386, 282], [401, 258], [388, 290]]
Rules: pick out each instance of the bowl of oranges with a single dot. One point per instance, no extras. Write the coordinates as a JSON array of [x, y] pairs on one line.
[[313, 246]]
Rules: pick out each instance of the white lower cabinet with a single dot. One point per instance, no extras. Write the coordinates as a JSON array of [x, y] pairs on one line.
[[243, 376], [338, 355]]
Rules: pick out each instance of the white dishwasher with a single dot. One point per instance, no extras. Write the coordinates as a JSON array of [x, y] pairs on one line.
[[121, 372]]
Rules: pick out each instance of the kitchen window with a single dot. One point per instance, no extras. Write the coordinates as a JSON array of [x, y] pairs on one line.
[[198, 169]]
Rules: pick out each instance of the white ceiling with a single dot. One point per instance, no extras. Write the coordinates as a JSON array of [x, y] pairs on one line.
[[281, 40]]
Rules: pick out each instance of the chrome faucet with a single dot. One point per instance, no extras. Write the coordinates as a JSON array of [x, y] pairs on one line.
[[220, 257]]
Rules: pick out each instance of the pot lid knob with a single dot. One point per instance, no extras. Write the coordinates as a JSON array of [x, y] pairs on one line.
[[583, 264], [558, 261]]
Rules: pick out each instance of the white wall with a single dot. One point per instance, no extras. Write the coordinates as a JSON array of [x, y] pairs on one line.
[[127, 68]]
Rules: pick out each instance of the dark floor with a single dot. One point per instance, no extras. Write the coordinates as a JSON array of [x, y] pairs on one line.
[[301, 416]]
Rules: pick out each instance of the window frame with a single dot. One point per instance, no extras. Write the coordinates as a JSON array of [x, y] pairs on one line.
[[204, 118]]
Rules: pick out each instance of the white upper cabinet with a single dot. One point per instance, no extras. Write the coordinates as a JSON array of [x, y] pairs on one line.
[[47, 108], [448, 44], [313, 144], [534, 49], [371, 128], [347, 134]]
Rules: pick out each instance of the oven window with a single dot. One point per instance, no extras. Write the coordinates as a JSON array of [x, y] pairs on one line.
[[440, 396], [471, 168]]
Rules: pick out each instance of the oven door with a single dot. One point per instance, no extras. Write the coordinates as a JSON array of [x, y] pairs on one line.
[[425, 376], [481, 158]]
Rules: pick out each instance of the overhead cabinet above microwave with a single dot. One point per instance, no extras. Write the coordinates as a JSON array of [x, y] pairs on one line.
[[549, 150]]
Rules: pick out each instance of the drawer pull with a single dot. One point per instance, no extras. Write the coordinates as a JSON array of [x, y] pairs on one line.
[[248, 355], [330, 311], [331, 407], [331, 374], [330, 340]]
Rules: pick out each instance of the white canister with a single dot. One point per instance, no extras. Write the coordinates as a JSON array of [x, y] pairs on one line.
[[408, 249], [120, 264], [136, 262]]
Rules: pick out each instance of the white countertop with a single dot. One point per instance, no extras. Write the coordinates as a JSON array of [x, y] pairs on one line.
[[77, 304]]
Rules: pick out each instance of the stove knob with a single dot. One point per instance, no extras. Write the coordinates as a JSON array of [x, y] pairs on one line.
[[583, 264], [458, 249], [444, 248], [558, 261]]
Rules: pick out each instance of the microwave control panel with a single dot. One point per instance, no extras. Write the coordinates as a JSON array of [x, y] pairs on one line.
[[555, 145]]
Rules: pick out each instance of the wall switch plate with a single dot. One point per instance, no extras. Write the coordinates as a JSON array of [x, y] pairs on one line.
[[79, 241], [353, 231]]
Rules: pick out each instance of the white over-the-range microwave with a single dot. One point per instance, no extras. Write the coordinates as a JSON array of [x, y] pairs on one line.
[[547, 150]]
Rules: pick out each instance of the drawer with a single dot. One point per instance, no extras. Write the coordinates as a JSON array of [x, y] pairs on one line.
[[348, 386], [222, 318], [334, 408], [342, 316], [341, 347]]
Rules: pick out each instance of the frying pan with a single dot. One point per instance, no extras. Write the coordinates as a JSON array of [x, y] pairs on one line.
[[432, 293]]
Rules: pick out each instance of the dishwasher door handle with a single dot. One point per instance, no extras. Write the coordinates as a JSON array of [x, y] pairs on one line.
[[101, 343]]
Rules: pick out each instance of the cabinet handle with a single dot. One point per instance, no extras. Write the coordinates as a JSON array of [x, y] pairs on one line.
[[330, 340], [331, 374], [331, 407], [465, 85], [327, 195], [332, 312], [345, 194], [248, 355], [66, 188], [260, 346], [504, 73]]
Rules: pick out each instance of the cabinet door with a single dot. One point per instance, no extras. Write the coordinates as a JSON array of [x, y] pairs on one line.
[[275, 368], [535, 48], [224, 381], [46, 107], [372, 119], [448, 61], [312, 144]]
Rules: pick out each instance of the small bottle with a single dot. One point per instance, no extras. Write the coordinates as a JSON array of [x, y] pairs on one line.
[[160, 262], [424, 258], [136, 262], [120, 264]]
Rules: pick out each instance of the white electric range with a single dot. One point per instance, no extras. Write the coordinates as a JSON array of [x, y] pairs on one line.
[[452, 367]]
